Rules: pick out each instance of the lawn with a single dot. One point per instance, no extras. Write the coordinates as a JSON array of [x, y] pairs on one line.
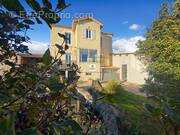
[[136, 117]]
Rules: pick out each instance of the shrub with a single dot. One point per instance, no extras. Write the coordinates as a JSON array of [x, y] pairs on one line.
[[38, 99], [113, 87]]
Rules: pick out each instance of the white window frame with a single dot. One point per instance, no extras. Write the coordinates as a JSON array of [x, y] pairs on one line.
[[88, 55], [68, 58], [69, 41], [80, 55], [89, 34]]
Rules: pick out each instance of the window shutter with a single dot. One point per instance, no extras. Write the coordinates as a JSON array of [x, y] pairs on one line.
[[88, 33], [84, 36], [94, 34], [65, 37], [91, 34], [69, 38]]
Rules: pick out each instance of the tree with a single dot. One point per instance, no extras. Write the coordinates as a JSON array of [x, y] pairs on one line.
[[33, 100], [160, 52]]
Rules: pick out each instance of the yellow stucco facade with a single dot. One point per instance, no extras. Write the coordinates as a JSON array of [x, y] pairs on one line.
[[89, 48]]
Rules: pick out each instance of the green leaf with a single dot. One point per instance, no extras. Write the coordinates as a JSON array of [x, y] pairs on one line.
[[30, 131], [61, 4], [57, 129], [7, 125], [59, 47], [66, 47], [47, 4], [27, 21], [62, 52], [27, 26], [69, 127], [34, 5], [54, 84], [13, 5], [38, 20], [76, 129], [61, 35], [54, 18], [47, 57]]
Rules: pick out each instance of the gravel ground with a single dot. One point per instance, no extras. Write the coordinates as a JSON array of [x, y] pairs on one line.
[[131, 87], [134, 88]]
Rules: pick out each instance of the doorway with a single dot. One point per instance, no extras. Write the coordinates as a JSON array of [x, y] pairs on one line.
[[124, 72]]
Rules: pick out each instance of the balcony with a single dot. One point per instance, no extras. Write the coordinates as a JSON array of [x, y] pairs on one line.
[[66, 65]]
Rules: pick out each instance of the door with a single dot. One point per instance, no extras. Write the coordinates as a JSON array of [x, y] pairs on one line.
[[124, 72]]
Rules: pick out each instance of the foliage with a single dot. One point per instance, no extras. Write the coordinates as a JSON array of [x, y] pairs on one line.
[[113, 87], [7, 125], [161, 54], [137, 121], [33, 98]]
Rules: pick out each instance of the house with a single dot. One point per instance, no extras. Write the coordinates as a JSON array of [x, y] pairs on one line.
[[91, 50], [89, 47], [22, 59]]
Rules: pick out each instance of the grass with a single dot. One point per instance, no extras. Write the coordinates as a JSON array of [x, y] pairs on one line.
[[137, 118], [132, 103]]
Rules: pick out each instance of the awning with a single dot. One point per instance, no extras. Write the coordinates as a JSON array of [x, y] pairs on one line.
[[110, 67]]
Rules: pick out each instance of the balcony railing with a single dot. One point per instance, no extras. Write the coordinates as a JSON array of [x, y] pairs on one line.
[[66, 65]]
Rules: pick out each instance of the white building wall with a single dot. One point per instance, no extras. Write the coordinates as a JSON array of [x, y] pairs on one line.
[[135, 69]]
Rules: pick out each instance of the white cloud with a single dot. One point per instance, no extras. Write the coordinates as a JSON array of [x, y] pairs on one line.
[[125, 22], [135, 27], [37, 47], [126, 45]]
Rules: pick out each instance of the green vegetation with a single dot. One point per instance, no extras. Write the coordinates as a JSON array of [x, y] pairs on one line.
[[112, 87], [33, 98], [127, 100], [161, 54], [137, 119]]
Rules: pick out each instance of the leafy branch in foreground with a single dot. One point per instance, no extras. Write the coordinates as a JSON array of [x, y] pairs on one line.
[[37, 98]]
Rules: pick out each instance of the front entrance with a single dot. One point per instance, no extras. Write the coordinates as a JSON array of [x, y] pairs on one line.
[[124, 72]]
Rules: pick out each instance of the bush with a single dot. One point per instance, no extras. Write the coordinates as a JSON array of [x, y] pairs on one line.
[[113, 87], [38, 99]]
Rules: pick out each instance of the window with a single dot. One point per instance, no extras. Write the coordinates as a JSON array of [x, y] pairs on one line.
[[124, 72], [88, 55], [83, 55], [88, 34], [92, 55], [68, 58], [34, 60], [68, 38], [88, 74]]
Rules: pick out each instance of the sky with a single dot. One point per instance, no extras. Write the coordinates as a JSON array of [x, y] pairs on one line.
[[128, 20]]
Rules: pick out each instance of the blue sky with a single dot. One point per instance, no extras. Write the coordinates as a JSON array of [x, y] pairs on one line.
[[124, 18]]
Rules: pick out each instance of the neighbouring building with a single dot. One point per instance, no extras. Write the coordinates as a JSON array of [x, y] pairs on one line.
[[131, 68], [22, 59], [91, 50]]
